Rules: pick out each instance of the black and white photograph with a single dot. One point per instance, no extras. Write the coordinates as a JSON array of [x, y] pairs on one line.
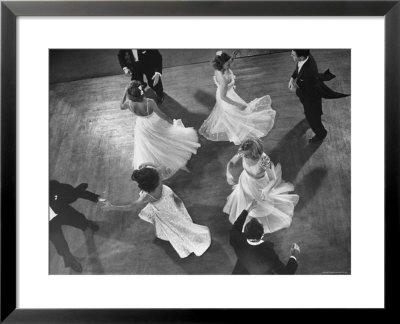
[[191, 161], [216, 161]]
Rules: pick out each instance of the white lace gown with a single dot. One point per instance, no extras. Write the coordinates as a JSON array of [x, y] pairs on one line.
[[276, 204], [228, 123], [173, 224], [165, 145]]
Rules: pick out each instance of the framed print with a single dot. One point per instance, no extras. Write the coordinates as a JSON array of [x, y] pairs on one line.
[[82, 118]]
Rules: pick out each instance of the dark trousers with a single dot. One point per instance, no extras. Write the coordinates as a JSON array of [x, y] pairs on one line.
[[158, 88], [239, 269], [313, 111], [71, 217]]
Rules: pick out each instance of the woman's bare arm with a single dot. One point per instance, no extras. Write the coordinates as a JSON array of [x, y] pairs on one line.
[[142, 200], [123, 104], [229, 176]]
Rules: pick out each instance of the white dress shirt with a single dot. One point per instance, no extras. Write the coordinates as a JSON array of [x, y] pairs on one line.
[[52, 214], [301, 63], [135, 55]]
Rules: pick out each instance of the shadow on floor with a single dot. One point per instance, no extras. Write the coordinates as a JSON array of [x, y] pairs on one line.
[[309, 186], [212, 217], [116, 224], [293, 151], [213, 261], [93, 256], [205, 99], [200, 165], [175, 110]]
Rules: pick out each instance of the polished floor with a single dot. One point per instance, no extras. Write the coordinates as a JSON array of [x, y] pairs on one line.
[[91, 140]]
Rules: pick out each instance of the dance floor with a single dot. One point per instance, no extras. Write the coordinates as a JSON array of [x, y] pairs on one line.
[[91, 140]]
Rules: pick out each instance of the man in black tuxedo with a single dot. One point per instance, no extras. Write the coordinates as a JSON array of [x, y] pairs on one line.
[[308, 85], [256, 256], [139, 62], [61, 213]]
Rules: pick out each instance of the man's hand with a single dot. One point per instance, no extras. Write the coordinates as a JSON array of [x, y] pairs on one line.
[[292, 85], [252, 205], [127, 71], [156, 78], [295, 250]]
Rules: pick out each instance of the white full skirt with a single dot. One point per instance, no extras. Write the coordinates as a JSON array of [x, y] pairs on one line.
[[165, 145], [228, 123], [174, 224], [275, 206]]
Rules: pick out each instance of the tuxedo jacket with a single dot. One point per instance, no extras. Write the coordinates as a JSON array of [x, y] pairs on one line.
[[256, 259], [62, 194], [311, 83], [149, 62]]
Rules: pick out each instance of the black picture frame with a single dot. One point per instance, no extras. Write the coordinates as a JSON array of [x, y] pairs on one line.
[[9, 13]]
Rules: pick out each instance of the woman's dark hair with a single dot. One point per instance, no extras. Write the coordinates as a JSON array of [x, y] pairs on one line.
[[147, 179], [253, 230], [219, 60], [254, 145], [302, 52], [135, 91]]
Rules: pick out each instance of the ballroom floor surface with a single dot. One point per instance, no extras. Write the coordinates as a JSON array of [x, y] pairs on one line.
[[91, 140]]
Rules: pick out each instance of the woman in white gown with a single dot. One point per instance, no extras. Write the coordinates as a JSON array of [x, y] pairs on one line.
[[158, 139], [232, 119], [262, 181], [166, 211]]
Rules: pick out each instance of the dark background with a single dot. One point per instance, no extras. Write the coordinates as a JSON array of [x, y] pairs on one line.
[[77, 64]]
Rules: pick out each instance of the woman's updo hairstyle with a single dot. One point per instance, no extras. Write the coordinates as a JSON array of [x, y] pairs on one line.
[[219, 60], [147, 178], [135, 91], [254, 145]]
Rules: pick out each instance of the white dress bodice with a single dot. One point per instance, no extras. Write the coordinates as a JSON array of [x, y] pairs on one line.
[[232, 78], [256, 168]]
